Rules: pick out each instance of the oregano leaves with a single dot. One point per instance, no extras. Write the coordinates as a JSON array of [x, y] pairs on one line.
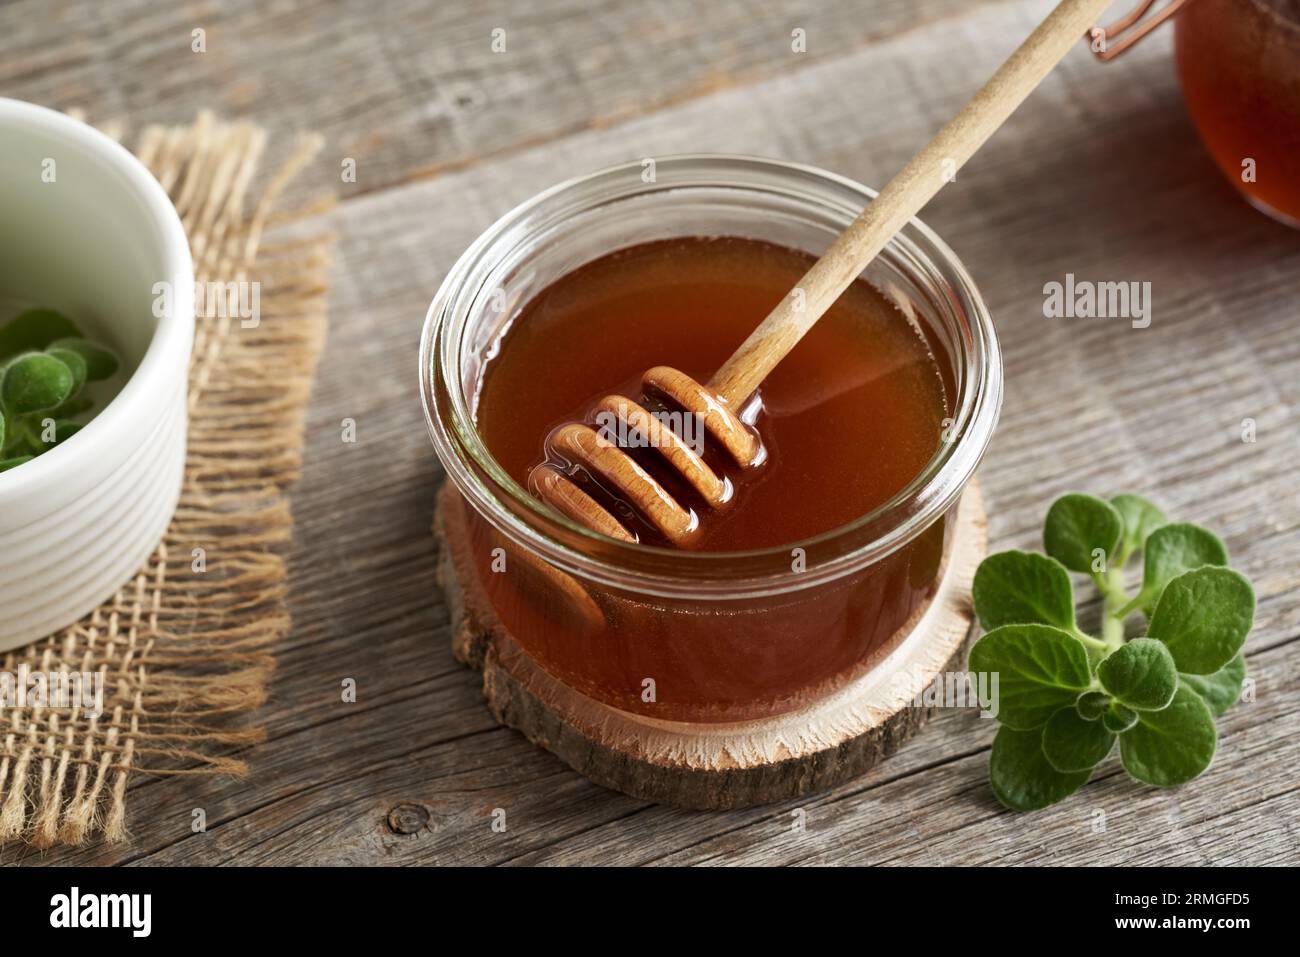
[[1072, 743], [34, 329], [45, 364], [1140, 675], [1220, 690], [1022, 587], [1173, 745], [1021, 776], [1172, 550], [1040, 669], [1140, 518], [1065, 697], [1203, 617], [35, 382], [1081, 532]]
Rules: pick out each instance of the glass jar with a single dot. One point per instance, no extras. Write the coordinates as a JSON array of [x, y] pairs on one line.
[[1239, 67], [1238, 63], [702, 636]]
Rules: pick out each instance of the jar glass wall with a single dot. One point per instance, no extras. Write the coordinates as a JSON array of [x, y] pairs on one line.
[[717, 636], [1239, 67]]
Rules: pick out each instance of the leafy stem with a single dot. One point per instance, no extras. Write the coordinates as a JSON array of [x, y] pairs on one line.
[[1064, 697], [1114, 603], [1091, 643], [45, 363], [1130, 607]]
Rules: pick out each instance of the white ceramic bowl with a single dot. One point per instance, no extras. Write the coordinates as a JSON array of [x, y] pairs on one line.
[[77, 522]]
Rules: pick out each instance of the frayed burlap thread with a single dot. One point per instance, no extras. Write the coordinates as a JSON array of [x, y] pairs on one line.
[[185, 647]]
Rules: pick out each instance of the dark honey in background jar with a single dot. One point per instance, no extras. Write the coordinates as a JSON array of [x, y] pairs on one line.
[[1239, 66]]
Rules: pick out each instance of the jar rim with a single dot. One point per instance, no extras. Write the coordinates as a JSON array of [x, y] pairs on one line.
[[665, 572]]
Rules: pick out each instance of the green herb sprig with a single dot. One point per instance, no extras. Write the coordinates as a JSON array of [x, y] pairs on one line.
[[1066, 696], [45, 363]]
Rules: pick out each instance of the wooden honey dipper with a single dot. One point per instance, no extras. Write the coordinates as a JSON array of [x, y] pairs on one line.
[[714, 405]]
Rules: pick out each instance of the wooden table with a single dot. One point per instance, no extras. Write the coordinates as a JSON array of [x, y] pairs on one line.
[[1099, 174]]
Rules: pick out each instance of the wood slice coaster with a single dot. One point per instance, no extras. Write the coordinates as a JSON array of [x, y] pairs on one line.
[[716, 765]]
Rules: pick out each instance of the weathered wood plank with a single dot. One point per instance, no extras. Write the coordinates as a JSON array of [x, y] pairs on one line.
[[1235, 815], [928, 805], [1090, 405], [409, 88]]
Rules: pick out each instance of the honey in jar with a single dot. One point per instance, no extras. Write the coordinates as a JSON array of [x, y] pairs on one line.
[[851, 416]]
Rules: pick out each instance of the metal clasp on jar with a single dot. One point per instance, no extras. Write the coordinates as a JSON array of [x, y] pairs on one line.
[[1110, 41]]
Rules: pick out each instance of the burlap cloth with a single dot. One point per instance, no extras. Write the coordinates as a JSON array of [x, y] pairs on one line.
[[185, 652]]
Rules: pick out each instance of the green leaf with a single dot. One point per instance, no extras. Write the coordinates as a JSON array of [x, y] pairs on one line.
[[1071, 743], [1021, 777], [1140, 519], [1040, 670], [75, 363], [1013, 588], [13, 463], [100, 362], [1221, 690], [35, 382], [2, 420], [64, 429], [1203, 617], [33, 330], [74, 406], [1141, 675], [1172, 550], [1092, 705], [1118, 718], [1076, 526], [1170, 747]]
